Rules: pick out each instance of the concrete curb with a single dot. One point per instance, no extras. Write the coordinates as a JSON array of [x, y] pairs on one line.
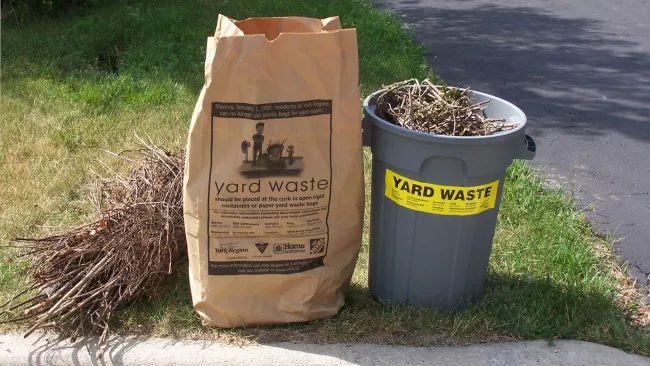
[[49, 350]]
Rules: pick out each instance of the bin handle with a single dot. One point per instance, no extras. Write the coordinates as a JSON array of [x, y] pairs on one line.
[[366, 127], [528, 153]]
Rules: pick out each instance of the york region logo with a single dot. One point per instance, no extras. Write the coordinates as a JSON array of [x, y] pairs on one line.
[[261, 247], [288, 248], [230, 248], [316, 245]]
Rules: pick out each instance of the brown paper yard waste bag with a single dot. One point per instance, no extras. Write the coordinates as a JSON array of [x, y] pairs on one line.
[[273, 188]]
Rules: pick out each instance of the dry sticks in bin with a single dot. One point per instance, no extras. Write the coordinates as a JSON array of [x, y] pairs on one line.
[[425, 107]]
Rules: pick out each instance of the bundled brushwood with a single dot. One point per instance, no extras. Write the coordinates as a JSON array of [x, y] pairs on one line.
[[79, 278], [424, 107]]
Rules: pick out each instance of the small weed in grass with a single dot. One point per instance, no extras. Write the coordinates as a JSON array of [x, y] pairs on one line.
[[86, 81]]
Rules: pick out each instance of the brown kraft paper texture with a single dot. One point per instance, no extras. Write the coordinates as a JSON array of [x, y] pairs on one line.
[[273, 188]]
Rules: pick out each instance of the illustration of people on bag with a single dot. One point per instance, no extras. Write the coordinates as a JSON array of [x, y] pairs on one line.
[[269, 161], [290, 152], [258, 141]]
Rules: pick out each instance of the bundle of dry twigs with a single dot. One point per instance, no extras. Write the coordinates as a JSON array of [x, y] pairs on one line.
[[424, 107], [77, 279]]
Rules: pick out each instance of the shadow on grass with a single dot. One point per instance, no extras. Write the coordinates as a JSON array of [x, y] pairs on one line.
[[164, 43], [512, 308]]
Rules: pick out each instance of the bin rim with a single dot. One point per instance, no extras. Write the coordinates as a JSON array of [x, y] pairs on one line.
[[369, 107]]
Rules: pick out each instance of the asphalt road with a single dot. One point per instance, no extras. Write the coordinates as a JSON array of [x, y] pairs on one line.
[[580, 70]]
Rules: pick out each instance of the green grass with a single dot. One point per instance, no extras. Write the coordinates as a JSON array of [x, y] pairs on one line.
[[74, 86]]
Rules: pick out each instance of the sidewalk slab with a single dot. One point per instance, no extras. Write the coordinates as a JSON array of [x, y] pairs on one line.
[[51, 351]]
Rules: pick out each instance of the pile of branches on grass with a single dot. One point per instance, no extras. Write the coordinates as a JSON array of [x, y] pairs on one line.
[[425, 107], [79, 278]]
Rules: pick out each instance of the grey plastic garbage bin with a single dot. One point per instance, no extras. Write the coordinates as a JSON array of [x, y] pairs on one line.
[[434, 206]]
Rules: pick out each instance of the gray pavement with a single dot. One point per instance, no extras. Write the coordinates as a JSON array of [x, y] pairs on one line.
[[47, 350], [580, 69]]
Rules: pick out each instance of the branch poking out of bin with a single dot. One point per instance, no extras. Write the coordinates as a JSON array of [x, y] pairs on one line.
[[79, 278], [425, 107]]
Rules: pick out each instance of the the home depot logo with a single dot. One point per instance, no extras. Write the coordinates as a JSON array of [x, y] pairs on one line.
[[288, 248], [316, 246]]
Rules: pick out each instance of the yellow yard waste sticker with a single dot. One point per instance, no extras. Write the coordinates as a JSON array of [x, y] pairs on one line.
[[441, 200]]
